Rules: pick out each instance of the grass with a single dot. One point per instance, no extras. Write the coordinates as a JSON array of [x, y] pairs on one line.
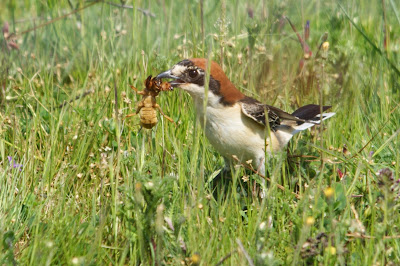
[[93, 189]]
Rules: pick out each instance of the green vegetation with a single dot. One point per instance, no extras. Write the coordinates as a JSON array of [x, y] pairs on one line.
[[93, 189]]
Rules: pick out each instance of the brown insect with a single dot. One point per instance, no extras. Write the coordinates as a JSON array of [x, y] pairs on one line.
[[148, 105]]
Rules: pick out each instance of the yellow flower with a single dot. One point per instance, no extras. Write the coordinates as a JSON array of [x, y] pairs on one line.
[[331, 250], [329, 192], [325, 46], [310, 221], [195, 259]]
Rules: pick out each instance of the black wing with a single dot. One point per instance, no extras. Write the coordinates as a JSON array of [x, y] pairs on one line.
[[256, 111]]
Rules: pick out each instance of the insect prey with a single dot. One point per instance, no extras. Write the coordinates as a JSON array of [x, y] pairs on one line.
[[147, 107]]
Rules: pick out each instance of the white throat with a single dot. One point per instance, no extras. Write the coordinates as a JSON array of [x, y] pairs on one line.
[[202, 99]]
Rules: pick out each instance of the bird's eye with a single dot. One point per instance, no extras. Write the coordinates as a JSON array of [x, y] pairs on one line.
[[193, 73]]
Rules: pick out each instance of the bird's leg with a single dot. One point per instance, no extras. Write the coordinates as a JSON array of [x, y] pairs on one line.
[[261, 171], [226, 171], [220, 182], [159, 109]]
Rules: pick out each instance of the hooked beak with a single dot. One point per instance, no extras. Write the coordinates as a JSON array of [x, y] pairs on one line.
[[167, 75]]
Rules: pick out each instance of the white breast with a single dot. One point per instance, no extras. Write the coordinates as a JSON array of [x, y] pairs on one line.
[[230, 131]]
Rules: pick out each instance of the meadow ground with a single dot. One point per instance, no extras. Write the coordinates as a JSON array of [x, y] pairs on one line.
[[80, 184]]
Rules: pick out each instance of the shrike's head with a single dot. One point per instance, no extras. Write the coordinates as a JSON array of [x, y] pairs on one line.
[[191, 75]]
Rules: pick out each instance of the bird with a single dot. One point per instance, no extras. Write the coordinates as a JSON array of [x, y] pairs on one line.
[[239, 127]]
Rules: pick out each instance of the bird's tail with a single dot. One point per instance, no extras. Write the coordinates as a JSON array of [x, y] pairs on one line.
[[311, 114], [303, 118]]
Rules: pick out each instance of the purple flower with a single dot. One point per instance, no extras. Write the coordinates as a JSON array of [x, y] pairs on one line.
[[307, 31], [250, 12], [13, 164]]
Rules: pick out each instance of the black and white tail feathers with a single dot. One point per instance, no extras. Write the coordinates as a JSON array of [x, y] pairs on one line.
[[312, 115], [301, 119]]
